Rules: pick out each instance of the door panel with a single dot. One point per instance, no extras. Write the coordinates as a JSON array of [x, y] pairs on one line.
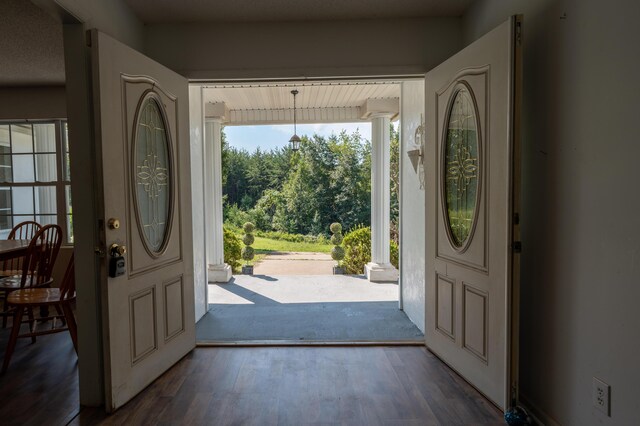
[[142, 126], [469, 201]]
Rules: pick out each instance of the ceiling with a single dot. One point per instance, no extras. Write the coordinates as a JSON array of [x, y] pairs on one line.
[[316, 102], [31, 43], [166, 11], [31, 48]]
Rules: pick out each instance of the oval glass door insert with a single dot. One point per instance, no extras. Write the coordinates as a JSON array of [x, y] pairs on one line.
[[461, 168], [152, 174]]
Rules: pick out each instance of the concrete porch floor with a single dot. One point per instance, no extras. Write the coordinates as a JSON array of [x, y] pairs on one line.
[[329, 308]]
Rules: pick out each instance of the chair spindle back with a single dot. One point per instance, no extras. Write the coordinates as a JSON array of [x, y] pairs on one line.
[[22, 231], [41, 255], [68, 285]]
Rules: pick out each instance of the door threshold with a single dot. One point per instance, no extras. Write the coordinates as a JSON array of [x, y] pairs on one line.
[[253, 343]]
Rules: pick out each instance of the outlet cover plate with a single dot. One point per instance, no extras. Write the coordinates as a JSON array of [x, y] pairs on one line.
[[601, 396]]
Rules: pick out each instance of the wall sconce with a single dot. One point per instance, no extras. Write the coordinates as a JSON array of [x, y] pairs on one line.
[[416, 155]]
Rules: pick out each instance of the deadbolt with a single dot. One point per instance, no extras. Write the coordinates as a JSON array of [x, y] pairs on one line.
[[117, 250], [114, 223]]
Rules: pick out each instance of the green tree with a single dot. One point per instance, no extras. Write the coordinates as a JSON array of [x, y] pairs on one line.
[[395, 184]]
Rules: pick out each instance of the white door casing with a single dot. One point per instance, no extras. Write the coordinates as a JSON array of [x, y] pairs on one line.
[[148, 313], [469, 204]]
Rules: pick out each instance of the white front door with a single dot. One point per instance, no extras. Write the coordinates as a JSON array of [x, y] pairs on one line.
[[470, 225], [142, 128]]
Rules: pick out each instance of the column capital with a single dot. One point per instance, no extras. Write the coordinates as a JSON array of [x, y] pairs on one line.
[[380, 108], [216, 112]]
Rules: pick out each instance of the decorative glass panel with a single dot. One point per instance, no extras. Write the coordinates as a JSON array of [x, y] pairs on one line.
[[152, 174], [461, 183]]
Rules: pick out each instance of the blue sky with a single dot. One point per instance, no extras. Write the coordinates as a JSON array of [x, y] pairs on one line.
[[269, 137]]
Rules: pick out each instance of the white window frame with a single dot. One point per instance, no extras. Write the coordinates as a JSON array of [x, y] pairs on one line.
[[62, 182]]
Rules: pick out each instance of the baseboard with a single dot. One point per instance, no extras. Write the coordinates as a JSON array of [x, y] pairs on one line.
[[540, 417]]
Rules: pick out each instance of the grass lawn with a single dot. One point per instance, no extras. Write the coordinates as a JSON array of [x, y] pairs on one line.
[[266, 245]]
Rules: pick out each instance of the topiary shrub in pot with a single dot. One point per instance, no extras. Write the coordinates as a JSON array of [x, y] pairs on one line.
[[337, 252], [247, 251]]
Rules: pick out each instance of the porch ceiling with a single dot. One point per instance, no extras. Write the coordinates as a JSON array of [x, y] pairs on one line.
[[316, 102]]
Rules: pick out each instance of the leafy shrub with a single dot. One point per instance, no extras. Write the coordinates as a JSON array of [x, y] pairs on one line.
[[357, 247], [336, 239], [337, 253], [248, 239], [247, 253], [294, 238], [232, 249], [235, 216], [335, 228]]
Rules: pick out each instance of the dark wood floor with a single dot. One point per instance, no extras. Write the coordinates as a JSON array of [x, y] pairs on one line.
[[262, 386], [41, 385]]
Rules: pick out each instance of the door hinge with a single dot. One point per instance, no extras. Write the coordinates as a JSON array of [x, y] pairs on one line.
[[516, 219], [88, 38], [519, 33], [517, 247]]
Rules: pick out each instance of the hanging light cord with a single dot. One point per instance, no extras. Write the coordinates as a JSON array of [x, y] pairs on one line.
[[295, 130]]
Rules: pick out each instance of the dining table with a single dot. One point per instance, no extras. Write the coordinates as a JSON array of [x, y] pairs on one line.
[[10, 249]]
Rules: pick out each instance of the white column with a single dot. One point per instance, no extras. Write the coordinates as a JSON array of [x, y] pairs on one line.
[[217, 271], [380, 268]]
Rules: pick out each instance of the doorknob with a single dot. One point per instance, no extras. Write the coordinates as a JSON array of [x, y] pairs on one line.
[[117, 250]]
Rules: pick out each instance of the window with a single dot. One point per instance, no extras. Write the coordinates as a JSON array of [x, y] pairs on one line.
[[34, 175]]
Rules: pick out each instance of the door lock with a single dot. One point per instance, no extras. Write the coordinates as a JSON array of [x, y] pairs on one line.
[[117, 265], [113, 223]]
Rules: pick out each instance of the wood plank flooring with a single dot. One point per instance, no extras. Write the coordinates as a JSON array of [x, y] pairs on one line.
[[253, 386], [306, 385], [41, 385]]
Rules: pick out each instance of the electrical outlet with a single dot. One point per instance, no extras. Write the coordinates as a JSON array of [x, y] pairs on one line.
[[601, 396]]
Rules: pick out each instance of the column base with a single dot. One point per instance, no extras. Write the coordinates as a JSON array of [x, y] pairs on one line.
[[219, 273], [381, 272]]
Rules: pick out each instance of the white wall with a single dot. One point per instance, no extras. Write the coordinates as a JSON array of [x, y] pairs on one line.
[[196, 124], [581, 240], [303, 49], [112, 17], [33, 103], [412, 236]]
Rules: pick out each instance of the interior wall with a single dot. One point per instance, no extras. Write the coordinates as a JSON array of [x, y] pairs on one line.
[[33, 103], [581, 256], [303, 49], [112, 17], [412, 224], [196, 124]]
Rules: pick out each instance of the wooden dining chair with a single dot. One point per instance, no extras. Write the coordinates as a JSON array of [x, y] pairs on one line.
[[37, 265], [25, 300], [22, 231]]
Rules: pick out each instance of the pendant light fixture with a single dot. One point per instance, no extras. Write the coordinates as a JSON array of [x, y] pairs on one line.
[[295, 139]]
